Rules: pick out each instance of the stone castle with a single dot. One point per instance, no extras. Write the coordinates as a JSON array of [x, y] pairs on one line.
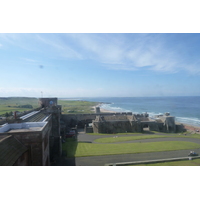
[[35, 138]]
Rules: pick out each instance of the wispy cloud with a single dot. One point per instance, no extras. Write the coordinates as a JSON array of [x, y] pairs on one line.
[[99, 47], [59, 46], [19, 91], [157, 52], [30, 60], [136, 51]]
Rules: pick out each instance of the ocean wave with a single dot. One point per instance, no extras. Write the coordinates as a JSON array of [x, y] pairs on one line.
[[112, 108], [120, 109], [152, 114], [187, 120], [116, 108]]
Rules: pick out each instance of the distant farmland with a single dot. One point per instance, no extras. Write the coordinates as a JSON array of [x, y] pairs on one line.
[[11, 104]]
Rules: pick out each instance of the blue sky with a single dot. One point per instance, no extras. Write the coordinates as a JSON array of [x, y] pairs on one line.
[[99, 65]]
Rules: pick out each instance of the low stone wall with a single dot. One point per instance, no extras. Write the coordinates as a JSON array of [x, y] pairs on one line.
[[88, 129]]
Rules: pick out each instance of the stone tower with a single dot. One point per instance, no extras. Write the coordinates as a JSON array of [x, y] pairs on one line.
[[97, 110]]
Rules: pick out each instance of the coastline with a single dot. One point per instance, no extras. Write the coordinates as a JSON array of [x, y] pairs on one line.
[[188, 127], [101, 109], [191, 128], [105, 111]]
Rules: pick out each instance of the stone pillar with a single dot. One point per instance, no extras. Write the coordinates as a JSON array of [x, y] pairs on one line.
[[56, 139]]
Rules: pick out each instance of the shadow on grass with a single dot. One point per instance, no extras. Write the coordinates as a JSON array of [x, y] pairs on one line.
[[69, 151]]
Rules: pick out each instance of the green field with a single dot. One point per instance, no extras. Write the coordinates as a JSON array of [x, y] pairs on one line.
[[20, 104], [128, 138], [77, 107], [142, 137], [76, 149]]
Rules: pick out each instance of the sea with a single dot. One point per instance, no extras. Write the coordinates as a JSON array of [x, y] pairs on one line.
[[185, 109]]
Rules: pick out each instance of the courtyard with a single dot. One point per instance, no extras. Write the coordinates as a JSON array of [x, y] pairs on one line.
[[102, 149]]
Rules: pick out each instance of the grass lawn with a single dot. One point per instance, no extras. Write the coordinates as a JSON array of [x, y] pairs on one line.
[[117, 133], [89, 149], [127, 138], [75, 107], [144, 132], [194, 162], [141, 137], [192, 136]]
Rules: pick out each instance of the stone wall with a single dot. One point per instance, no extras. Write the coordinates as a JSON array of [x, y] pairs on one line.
[[180, 128], [37, 143], [88, 129], [168, 123], [46, 102], [23, 160], [71, 120], [55, 137], [112, 127], [120, 122]]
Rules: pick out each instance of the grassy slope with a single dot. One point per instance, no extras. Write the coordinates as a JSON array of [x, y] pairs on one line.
[[89, 149], [75, 107], [13, 102]]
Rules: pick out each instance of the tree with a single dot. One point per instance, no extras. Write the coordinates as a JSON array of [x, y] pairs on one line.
[[6, 115]]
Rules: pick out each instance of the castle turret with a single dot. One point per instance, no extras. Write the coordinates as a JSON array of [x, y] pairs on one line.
[[97, 110]]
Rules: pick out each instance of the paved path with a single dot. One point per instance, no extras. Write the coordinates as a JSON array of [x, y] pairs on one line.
[[102, 160]]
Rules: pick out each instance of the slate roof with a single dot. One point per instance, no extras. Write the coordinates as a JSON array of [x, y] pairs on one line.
[[38, 117], [10, 150]]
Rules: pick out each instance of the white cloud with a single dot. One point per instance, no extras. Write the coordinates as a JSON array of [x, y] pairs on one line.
[[100, 47], [30, 60], [135, 51], [114, 51], [60, 47], [29, 92]]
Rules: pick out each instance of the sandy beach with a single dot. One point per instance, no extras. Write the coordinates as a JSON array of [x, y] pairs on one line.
[[192, 129], [106, 111], [103, 110]]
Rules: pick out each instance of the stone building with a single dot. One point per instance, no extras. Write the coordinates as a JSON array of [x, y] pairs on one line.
[[38, 132], [34, 136], [128, 122], [97, 110], [121, 122], [47, 102]]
